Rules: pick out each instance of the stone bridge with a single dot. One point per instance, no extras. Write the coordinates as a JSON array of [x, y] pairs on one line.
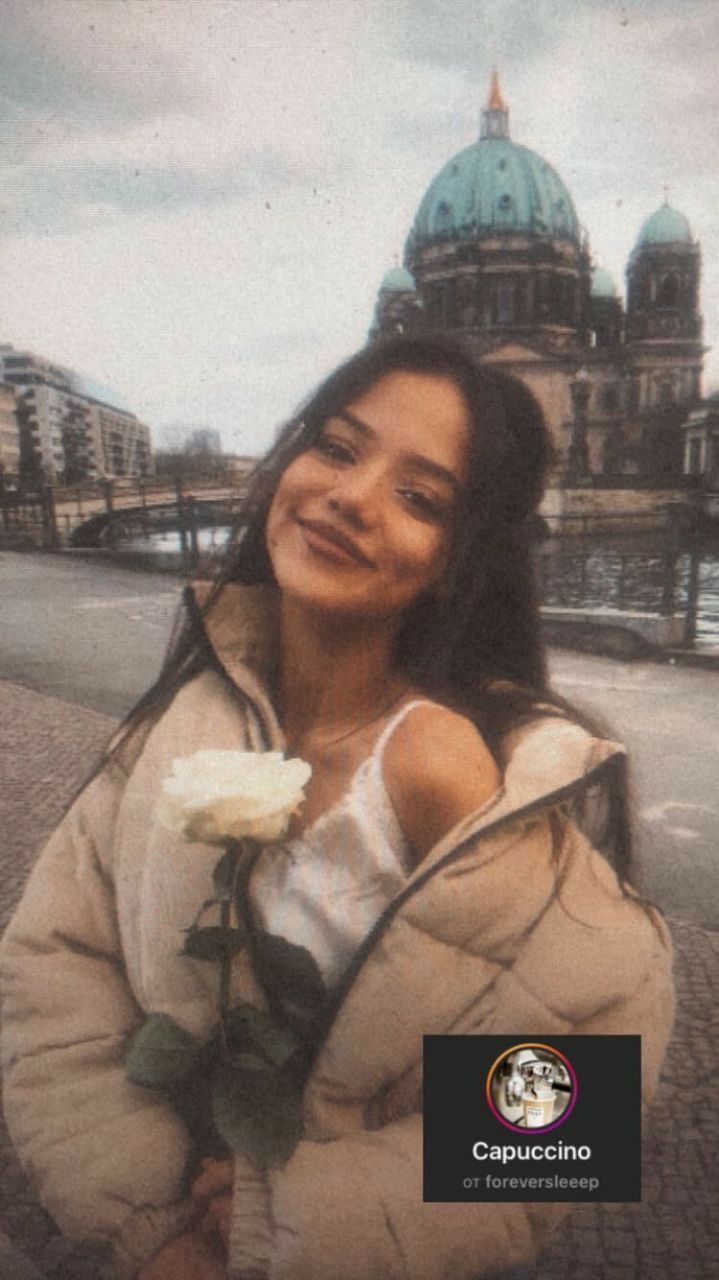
[[188, 511], [93, 515]]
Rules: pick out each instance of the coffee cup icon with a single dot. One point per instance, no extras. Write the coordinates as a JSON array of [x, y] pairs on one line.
[[531, 1086], [538, 1093], [538, 1106]]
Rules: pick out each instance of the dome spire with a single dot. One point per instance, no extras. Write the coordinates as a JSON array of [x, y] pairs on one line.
[[496, 101], [495, 116]]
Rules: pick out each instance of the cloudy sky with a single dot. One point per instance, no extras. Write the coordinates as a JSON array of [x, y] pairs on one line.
[[198, 198]]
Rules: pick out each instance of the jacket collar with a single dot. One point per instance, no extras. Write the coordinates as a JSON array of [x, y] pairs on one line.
[[241, 626], [548, 761]]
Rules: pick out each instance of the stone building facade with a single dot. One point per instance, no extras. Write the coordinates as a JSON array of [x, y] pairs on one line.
[[497, 256], [9, 434], [67, 428]]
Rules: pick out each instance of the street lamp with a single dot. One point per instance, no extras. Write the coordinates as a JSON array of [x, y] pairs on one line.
[[578, 471]]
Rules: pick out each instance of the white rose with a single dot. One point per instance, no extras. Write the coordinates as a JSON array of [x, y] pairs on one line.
[[219, 795]]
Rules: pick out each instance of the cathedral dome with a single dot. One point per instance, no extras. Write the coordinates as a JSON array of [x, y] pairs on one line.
[[602, 284], [665, 226], [398, 280], [495, 187]]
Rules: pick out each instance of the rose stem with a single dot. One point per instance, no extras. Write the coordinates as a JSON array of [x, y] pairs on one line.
[[225, 962]]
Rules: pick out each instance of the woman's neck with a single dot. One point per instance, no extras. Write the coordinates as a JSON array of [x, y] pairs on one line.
[[335, 674]]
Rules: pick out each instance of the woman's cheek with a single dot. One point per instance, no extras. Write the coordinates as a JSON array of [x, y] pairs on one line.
[[423, 557]]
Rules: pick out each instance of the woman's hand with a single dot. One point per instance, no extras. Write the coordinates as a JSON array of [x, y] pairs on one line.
[[192, 1256], [187, 1257], [211, 1195]]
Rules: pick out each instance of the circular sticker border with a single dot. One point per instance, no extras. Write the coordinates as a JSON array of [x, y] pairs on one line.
[[547, 1128]]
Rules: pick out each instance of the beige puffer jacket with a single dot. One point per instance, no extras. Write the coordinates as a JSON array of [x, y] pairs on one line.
[[475, 944]]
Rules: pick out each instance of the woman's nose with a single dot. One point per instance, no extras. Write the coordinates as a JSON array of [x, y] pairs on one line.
[[356, 493]]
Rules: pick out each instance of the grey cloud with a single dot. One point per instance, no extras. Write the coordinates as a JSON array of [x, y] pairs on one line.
[[52, 200], [43, 218], [38, 74], [457, 33], [451, 129], [111, 100], [145, 189]]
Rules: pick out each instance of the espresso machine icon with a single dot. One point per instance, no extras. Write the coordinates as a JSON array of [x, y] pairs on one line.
[[533, 1085]]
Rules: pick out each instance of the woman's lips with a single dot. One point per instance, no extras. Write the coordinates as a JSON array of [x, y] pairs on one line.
[[332, 543]]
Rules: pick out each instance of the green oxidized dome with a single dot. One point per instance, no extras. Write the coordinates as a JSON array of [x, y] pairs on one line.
[[602, 284], [665, 226], [495, 186], [398, 280]]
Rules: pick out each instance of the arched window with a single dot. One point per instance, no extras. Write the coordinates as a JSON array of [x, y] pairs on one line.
[[542, 297], [668, 290], [504, 302], [610, 399], [694, 457], [561, 215], [449, 302], [444, 216], [506, 212]]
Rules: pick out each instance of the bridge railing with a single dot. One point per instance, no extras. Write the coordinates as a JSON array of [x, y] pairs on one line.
[[103, 513]]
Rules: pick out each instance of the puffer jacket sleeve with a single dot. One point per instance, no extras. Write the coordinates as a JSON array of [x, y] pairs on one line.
[[355, 1209], [352, 1205], [105, 1156]]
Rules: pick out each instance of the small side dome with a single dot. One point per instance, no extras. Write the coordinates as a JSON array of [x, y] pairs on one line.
[[665, 226], [602, 284], [398, 280]]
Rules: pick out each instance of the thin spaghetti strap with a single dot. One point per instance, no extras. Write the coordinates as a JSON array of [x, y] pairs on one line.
[[397, 718]]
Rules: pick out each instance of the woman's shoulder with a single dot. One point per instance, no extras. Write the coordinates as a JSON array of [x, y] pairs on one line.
[[438, 769], [427, 725]]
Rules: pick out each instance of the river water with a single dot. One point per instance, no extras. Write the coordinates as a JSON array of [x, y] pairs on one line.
[[635, 573]]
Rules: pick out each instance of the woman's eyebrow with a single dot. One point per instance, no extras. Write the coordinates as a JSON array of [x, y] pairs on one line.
[[363, 427], [416, 460]]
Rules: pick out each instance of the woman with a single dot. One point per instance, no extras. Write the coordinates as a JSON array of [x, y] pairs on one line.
[[375, 618]]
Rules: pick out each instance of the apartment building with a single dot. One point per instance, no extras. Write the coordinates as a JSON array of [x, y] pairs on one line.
[[71, 428], [9, 434]]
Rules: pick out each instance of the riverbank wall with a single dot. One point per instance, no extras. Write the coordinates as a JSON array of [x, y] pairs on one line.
[[624, 635], [594, 509]]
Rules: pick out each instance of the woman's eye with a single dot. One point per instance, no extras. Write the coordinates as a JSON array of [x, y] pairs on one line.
[[425, 504], [333, 449]]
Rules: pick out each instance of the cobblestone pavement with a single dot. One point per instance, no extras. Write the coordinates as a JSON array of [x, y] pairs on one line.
[[48, 746]]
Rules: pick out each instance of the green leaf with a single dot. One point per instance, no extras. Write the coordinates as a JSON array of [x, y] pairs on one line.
[[250, 1029], [289, 974], [214, 942], [224, 875], [161, 1053], [258, 1113]]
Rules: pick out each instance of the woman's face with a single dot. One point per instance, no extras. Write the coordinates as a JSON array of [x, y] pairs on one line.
[[362, 522]]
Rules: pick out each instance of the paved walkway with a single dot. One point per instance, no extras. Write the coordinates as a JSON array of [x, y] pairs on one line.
[[47, 746]]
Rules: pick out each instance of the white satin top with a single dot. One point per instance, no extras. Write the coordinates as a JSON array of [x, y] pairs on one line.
[[325, 888]]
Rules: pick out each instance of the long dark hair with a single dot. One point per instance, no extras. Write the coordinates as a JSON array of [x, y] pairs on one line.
[[484, 626], [477, 646]]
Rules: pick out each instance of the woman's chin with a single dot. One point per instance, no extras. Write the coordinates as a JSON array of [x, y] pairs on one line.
[[338, 605]]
